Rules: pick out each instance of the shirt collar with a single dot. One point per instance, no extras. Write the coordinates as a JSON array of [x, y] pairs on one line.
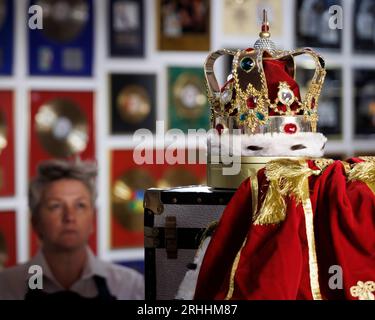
[[93, 267]]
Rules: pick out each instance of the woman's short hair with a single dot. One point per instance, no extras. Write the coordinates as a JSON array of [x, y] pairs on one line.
[[53, 170]]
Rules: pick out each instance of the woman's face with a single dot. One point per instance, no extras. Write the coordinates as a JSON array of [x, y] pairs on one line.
[[65, 218]]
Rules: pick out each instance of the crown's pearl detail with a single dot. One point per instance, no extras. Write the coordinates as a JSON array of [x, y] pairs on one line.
[[290, 128]]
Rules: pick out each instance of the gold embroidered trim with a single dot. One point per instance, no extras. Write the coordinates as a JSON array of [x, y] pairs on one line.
[[322, 164], [313, 261], [346, 166], [254, 193], [286, 178], [365, 172], [367, 158], [233, 272], [363, 290], [254, 190]]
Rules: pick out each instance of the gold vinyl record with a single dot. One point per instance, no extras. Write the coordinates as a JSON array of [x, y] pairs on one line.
[[189, 96], [127, 198], [62, 128], [63, 20], [3, 132], [3, 10], [177, 177], [133, 104]]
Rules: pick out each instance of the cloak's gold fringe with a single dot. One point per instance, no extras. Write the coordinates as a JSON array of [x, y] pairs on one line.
[[287, 178], [365, 172]]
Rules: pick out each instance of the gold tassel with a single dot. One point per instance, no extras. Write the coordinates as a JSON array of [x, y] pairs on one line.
[[365, 172], [287, 178]]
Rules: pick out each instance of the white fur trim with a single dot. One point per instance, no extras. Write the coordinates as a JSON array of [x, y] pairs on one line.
[[272, 144], [186, 291]]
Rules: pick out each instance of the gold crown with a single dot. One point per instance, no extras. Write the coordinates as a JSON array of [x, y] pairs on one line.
[[261, 94]]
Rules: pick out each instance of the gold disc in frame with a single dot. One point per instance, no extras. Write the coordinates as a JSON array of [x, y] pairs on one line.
[[64, 20], [189, 96], [127, 198], [62, 128], [177, 177], [133, 104], [3, 132]]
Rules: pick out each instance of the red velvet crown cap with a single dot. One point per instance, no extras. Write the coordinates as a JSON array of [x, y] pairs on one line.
[[275, 72]]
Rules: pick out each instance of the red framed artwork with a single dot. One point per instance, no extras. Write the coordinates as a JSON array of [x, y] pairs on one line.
[[128, 182], [8, 246], [61, 126], [7, 144]]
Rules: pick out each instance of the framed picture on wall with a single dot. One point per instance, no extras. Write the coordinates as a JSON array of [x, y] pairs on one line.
[[364, 26], [183, 25], [128, 183], [64, 47], [8, 243], [187, 101], [364, 102], [133, 102], [127, 28], [6, 36], [61, 126], [7, 144], [330, 101], [244, 18], [313, 28]]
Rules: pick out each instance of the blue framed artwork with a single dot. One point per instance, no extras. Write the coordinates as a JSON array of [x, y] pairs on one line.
[[6, 36], [64, 45]]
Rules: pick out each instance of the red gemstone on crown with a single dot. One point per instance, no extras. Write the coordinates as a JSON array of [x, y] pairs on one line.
[[290, 128], [251, 104]]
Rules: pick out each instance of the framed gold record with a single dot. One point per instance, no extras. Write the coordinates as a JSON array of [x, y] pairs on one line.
[[64, 20], [189, 96], [188, 105], [61, 128], [176, 177], [127, 198], [3, 132], [133, 104]]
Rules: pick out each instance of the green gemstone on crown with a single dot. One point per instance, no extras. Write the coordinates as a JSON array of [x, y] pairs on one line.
[[260, 116], [243, 117]]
